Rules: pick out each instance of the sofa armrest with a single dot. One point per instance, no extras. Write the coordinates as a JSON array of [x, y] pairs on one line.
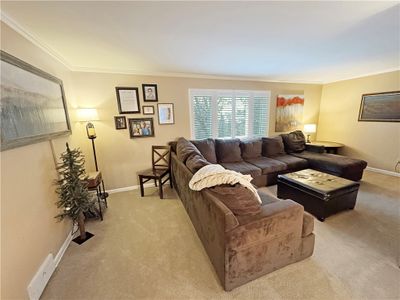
[[315, 148], [275, 220]]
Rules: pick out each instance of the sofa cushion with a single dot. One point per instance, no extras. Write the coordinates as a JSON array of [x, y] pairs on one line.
[[240, 200], [251, 148], [184, 149], [267, 165], [294, 141], [293, 163], [273, 146], [228, 150], [244, 168], [195, 162], [207, 149], [338, 165], [266, 196]]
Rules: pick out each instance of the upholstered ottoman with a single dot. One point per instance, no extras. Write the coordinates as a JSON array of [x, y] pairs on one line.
[[321, 194]]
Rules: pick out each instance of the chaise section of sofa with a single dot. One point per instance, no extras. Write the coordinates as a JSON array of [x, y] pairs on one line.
[[337, 165]]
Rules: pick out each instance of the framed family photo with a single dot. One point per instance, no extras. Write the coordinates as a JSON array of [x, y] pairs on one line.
[[141, 127], [166, 113], [128, 100], [148, 110], [120, 122], [150, 92]]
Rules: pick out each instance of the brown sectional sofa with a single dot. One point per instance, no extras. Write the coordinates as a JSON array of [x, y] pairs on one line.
[[245, 246], [265, 158]]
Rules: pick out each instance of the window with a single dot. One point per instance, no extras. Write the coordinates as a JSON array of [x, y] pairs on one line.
[[228, 113]]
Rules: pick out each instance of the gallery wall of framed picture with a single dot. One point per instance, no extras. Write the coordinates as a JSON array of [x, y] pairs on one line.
[[128, 101]]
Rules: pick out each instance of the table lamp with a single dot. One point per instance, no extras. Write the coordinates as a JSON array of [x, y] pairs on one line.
[[308, 129]]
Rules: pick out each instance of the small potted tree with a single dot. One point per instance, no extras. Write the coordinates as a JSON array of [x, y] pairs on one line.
[[74, 197]]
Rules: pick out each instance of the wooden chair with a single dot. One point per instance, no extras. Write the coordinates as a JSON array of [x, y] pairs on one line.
[[161, 161]]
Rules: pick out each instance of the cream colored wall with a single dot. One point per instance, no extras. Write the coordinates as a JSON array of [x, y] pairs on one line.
[[29, 231], [376, 142], [119, 156]]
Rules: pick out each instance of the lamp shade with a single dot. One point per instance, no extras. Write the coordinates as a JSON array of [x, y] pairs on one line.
[[310, 128], [87, 114]]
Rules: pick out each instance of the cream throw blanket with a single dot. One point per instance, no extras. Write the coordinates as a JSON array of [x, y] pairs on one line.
[[212, 175]]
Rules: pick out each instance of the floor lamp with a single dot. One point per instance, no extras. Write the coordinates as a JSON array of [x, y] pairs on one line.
[[89, 115]]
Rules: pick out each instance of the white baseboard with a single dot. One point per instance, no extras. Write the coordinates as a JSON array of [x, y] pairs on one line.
[[46, 269], [386, 172], [128, 188]]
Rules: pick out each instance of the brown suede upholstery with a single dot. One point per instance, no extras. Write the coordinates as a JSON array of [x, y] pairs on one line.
[[337, 165], [195, 162], [267, 165], [184, 149], [228, 150], [240, 200], [293, 163], [272, 146], [243, 248], [294, 141], [207, 149], [243, 167], [251, 148]]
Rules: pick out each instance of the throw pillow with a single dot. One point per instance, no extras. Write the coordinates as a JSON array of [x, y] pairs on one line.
[[228, 150], [207, 149], [294, 141], [273, 146], [184, 149], [251, 148], [240, 200], [195, 162]]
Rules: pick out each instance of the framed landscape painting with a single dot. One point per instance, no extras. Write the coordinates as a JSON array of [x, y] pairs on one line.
[[32, 104], [380, 107]]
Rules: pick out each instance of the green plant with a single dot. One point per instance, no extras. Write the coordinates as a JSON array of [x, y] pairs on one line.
[[74, 197]]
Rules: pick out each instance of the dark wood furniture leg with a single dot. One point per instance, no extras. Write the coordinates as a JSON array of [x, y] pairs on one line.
[[141, 186], [160, 188]]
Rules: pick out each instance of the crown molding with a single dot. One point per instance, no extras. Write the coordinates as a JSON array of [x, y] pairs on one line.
[[186, 75], [364, 75], [53, 53], [34, 39]]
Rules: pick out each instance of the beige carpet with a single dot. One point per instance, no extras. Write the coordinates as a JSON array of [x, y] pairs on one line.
[[146, 248]]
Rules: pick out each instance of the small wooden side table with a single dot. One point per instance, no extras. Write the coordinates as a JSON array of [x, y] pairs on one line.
[[95, 183], [330, 147]]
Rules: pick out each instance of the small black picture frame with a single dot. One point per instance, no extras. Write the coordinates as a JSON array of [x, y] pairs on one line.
[[120, 122], [141, 127], [150, 93], [148, 109], [128, 100]]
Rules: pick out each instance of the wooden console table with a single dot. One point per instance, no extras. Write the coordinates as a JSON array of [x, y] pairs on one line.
[[330, 147]]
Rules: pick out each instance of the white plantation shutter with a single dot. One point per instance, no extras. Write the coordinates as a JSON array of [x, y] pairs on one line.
[[202, 124], [229, 113]]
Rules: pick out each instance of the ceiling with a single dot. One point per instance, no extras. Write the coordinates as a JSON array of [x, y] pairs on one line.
[[278, 41]]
